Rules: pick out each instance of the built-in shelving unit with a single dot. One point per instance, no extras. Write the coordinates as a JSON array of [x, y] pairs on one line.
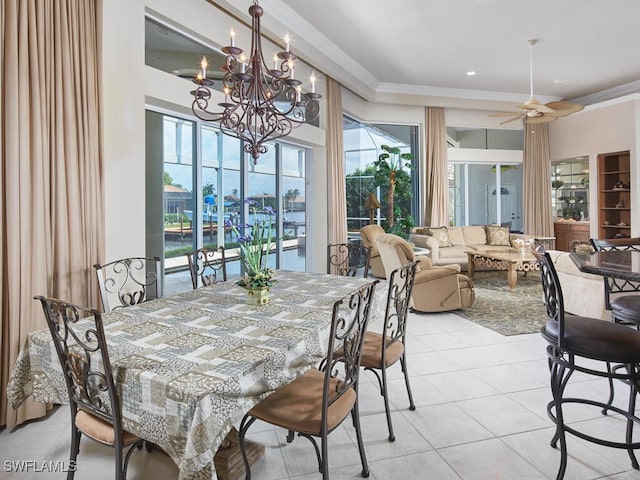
[[614, 195]]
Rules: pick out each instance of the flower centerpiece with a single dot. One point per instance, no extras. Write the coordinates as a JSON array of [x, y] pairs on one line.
[[255, 246]]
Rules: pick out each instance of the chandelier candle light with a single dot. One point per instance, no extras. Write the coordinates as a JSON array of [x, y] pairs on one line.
[[260, 104]]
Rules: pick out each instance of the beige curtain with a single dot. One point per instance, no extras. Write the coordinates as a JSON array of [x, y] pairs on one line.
[[436, 183], [336, 194], [51, 212], [536, 178]]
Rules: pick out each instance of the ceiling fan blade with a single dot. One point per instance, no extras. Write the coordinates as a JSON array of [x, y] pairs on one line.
[[540, 119], [513, 119], [506, 114], [562, 109], [534, 105]]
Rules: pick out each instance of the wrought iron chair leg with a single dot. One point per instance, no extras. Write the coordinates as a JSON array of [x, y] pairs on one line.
[[75, 448], [119, 464], [632, 408], [611, 390], [246, 422], [315, 446], [392, 437], [403, 363], [324, 464], [125, 464], [558, 384], [290, 436], [355, 413]]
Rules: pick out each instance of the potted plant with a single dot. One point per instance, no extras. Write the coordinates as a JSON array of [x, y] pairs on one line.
[[255, 246]]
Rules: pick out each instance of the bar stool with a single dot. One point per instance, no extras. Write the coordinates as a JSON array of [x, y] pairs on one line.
[[581, 344]]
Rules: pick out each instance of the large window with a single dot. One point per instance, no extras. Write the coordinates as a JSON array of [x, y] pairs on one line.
[[485, 194], [485, 176], [362, 144], [206, 178]]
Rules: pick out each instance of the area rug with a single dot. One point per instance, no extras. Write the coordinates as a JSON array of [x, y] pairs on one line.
[[507, 312]]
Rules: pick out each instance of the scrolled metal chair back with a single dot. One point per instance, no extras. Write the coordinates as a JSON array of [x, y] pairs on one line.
[[612, 284], [398, 303], [129, 281], [348, 259], [616, 244], [348, 328], [206, 266], [552, 292], [79, 340]]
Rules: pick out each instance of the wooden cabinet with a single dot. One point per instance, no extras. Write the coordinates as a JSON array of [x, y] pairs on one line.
[[566, 232], [614, 195]]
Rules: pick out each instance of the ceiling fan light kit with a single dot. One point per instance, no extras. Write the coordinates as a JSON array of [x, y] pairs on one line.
[[532, 110]]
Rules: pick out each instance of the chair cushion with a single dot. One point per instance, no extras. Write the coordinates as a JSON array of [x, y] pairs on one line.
[[99, 430], [372, 351], [597, 339], [626, 307], [298, 405]]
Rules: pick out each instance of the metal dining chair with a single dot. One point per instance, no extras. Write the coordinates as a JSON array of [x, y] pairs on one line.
[[208, 265], [348, 259], [129, 281], [93, 397], [318, 401], [382, 350]]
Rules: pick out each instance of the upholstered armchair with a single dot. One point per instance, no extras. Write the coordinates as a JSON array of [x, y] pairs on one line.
[[368, 235], [436, 289]]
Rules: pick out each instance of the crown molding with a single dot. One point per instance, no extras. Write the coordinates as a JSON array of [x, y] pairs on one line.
[[459, 93], [608, 94]]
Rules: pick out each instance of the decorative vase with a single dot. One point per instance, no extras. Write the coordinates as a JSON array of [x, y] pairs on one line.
[[258, 296]]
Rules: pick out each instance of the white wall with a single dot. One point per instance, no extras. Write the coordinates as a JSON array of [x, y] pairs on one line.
[[124, 146], [607, 127]]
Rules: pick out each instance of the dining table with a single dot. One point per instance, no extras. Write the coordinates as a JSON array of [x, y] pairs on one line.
[[624, 265], [190, 365]]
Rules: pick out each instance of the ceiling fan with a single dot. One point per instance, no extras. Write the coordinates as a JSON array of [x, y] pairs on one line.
[[535, 112]]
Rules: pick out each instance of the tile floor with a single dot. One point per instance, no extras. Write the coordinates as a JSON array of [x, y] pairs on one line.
[[480, 414]]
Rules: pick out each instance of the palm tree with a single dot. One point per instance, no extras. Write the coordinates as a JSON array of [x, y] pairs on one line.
[[290, 196], [390, 172]]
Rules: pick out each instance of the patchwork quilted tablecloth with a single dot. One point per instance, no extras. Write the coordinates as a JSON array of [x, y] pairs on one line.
[[191, 365]]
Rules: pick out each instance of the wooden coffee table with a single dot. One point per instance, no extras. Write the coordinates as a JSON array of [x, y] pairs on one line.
[[511, 261]]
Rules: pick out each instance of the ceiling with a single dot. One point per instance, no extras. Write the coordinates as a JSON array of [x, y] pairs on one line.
[[418, 51]]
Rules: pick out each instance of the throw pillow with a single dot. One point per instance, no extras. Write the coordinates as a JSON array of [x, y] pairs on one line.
[[441, 235], [497, 235], [456, 236]]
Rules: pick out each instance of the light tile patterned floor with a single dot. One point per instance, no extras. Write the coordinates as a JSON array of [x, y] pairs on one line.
[[480, 415]]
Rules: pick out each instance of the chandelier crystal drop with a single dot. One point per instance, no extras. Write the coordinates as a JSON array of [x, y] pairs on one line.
[[260, 104]]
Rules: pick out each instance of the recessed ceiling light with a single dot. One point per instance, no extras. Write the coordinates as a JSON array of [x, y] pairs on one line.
[[471, 73], [558, 81]]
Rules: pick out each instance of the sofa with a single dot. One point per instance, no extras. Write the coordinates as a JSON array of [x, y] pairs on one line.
[[447, 245], [583, 293], [435, 289]]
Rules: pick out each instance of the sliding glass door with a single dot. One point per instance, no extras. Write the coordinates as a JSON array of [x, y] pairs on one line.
[[485, 194]]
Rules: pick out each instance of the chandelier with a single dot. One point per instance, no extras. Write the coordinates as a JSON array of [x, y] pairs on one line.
[[260, 104]]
